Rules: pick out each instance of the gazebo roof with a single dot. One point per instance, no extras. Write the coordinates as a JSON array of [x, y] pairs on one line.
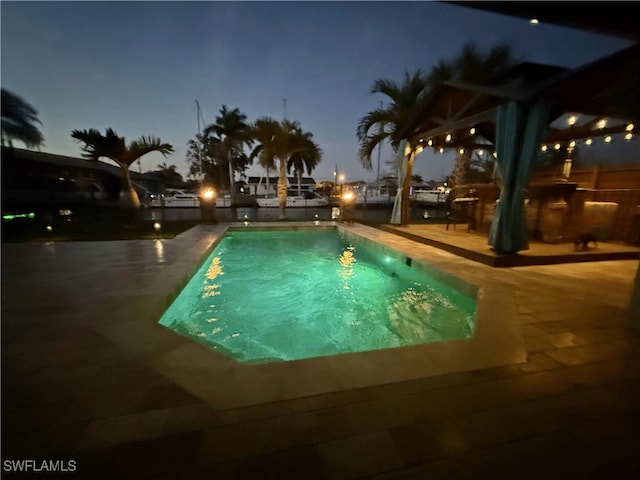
[[592, 89]]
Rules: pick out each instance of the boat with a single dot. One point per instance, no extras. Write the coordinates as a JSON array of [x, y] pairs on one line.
[[366, 197], [309, 199], [432, 197], [174, 198], [224, 201]]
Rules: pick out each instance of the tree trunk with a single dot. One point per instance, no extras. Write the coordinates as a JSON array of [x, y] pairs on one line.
[[128, 197], [299, 175], [282, 191], [231, 182], [461, 169], [405, 213]]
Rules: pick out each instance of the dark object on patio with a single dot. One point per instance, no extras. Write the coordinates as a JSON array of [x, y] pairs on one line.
[[585, 239], [462, 210]]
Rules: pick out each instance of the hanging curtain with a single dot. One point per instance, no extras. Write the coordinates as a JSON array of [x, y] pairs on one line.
[[519, 129], [402, 157]]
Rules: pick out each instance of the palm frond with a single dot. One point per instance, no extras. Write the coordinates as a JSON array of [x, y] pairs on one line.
[[368, 145], [19, 121]]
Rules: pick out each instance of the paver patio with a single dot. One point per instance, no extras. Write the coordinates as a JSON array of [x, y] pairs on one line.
[[89, 375]]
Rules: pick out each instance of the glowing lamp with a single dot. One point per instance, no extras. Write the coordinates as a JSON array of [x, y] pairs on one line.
[[348, 196], [209, 194]]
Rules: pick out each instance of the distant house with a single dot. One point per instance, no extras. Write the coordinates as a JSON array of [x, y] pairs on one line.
[[38, 180], [258, 185]]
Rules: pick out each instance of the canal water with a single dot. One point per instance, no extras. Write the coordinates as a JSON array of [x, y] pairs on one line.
[[256, 214]]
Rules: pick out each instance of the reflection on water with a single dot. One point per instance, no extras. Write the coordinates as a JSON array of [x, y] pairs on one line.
[[159, 246], [210, 289], [347, 259]]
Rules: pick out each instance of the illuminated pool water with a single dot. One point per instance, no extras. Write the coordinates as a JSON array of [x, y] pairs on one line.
[[277, 295]]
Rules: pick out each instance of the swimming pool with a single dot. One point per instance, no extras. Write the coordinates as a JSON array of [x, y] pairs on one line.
[[279, 295]]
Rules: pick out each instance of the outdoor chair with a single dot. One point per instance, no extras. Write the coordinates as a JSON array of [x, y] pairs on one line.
[[461, 210]]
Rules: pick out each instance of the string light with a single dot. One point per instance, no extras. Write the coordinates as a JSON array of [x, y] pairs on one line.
[[557, 146]]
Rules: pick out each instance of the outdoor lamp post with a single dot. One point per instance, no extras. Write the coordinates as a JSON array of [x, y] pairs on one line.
[[208, 205]]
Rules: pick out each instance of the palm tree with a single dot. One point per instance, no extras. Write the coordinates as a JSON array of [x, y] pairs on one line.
[[280, 141], [111, 146], [232, 131], [386, 123], [309, 158], [19, 121], [169, 174], [264, 131], [470, 66]]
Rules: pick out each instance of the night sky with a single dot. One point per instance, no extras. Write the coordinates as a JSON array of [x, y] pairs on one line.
[[139, 67]]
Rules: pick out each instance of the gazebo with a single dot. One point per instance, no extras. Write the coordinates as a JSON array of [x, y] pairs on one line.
[[513, 114]]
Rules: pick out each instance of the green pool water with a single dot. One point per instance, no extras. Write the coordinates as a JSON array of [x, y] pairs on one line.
[[278, 295]]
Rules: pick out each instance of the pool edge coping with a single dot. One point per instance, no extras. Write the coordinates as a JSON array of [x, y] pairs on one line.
[[225, 383]]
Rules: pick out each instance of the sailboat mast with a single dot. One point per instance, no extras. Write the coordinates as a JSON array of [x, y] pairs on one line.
[[198, 114], [378, 174]]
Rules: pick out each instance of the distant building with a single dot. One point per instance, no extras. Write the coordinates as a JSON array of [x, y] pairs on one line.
[[41, 181]]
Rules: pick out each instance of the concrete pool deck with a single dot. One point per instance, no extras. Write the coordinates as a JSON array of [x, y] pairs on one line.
[[550, 386]]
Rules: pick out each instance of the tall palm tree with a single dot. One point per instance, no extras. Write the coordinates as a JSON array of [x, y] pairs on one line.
[[19, 121], [233, 132], [264, 131], [386, 123], [307, 158], [471, 66], [112, 146], [279, 141]]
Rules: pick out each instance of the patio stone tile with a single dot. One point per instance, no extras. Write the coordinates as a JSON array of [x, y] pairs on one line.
[[539, 362], [421, 442], [491, 427], [172, 455], [360, 456], [303, 462], [538, 344], [585, 354], [556, 455]]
